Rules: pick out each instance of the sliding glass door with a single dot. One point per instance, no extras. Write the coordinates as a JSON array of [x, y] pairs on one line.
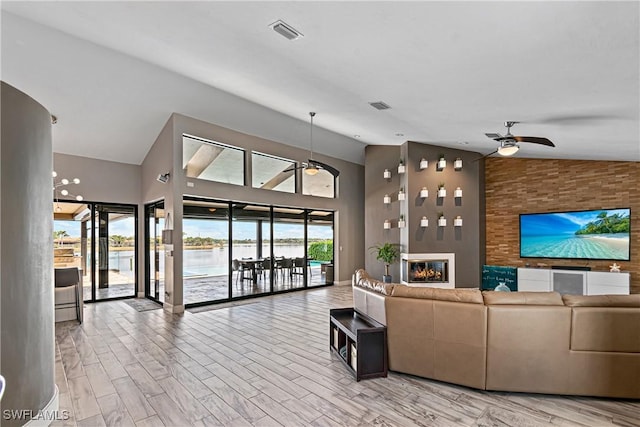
[[154, 276], [237, 250], [101, 241]]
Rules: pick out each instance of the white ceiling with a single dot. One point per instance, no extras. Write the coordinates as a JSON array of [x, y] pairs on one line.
[[451, 71]]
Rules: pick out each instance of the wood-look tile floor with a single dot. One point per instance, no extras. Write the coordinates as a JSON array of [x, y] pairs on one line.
[[268, 364]]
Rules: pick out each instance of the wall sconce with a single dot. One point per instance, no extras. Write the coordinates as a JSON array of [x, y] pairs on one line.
[[401, 167], [457, 192], [442, 163], [442, 192], [442, 221], [424, 163], [387, 224], [424, 222], [401, 195], [163, 177], [457, 221], [424, 193], [387, 174], [401, 222], [457, 164]]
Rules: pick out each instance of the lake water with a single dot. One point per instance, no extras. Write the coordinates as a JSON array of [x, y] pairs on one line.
[[206, 262], [603, 246]]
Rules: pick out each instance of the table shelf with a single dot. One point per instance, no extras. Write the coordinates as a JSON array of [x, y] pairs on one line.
[[359, 342]]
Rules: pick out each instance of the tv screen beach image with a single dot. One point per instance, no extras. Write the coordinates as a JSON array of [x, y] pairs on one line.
[[596, 234]]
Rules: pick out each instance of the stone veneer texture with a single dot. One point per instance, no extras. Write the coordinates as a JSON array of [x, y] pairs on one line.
[[515, 186]]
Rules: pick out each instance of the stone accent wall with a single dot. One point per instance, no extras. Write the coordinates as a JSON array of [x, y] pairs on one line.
[[515, 186]]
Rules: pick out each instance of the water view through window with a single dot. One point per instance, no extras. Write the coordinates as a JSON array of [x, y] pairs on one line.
[[252, 262]]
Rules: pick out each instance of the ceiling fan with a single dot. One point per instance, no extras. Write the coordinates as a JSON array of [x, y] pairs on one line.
[[312, 167], [509, 143]]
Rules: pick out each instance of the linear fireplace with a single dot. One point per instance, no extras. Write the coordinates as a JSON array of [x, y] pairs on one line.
[[431, 270]]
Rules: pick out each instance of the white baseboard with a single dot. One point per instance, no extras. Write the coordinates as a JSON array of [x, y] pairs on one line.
[[49, 413], [343, 283]]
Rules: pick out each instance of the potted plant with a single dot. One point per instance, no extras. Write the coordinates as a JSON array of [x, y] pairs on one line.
[[387, 253]]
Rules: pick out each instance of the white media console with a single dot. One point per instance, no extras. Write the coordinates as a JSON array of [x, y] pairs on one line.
[[577, 282]]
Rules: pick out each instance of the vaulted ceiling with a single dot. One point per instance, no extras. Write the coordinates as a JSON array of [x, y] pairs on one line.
[[113, 72]]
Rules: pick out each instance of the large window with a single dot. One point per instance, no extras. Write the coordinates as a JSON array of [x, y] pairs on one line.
[[205, 251], [322, 184], [212, 161], [273, 173], [237, 250]]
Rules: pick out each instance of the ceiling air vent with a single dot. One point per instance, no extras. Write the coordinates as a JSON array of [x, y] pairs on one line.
[[286, 30], [379, 105]]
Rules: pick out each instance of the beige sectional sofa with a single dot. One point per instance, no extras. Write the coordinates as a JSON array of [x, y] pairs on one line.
[[539, 342]]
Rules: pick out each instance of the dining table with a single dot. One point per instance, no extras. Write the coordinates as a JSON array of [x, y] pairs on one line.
[[252, 263]]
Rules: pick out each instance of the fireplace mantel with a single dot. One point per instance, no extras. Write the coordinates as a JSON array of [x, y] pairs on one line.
[[450, 277]]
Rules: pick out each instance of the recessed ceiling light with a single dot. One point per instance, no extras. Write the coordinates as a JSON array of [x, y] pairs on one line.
[[463, 142], [399, 134], [356, 136], [286, 30], [379, 105]]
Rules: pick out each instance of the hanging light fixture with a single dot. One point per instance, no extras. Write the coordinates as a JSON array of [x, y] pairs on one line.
[[508, 148], [311, 168], [58, 189]]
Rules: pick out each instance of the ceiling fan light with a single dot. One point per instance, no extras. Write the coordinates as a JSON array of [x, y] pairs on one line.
[[311, 170], [508, 149]]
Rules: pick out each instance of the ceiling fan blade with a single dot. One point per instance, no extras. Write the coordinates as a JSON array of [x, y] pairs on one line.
[[293, 169], [534, 140], [493, 135], [485, 156], [333, 171]]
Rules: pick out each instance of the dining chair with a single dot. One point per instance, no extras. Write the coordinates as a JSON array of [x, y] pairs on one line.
[[265, 266], [299, 265], [285, 264], [238, 267]]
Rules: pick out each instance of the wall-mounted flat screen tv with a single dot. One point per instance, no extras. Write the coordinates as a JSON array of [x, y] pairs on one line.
[[595, 234]]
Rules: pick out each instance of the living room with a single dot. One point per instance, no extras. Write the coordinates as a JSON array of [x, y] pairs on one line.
[[122, 118]]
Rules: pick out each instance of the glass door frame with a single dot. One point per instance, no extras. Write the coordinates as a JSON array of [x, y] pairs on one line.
[[149, 276], [93, 252], [271, 291]]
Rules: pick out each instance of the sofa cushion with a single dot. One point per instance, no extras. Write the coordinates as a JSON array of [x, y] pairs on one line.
[[602, 300], [456, 295], [605, 329], [522, 298], [363, 280]]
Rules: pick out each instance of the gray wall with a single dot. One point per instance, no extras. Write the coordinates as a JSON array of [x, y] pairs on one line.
[[100, 180], [377, 159], [26, 248], [467, 242]]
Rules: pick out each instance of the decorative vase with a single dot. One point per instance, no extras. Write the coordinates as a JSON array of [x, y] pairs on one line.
[[387, 174], [424, 163], [502, 287], [457, 193], [442, 192], [424, 193]]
